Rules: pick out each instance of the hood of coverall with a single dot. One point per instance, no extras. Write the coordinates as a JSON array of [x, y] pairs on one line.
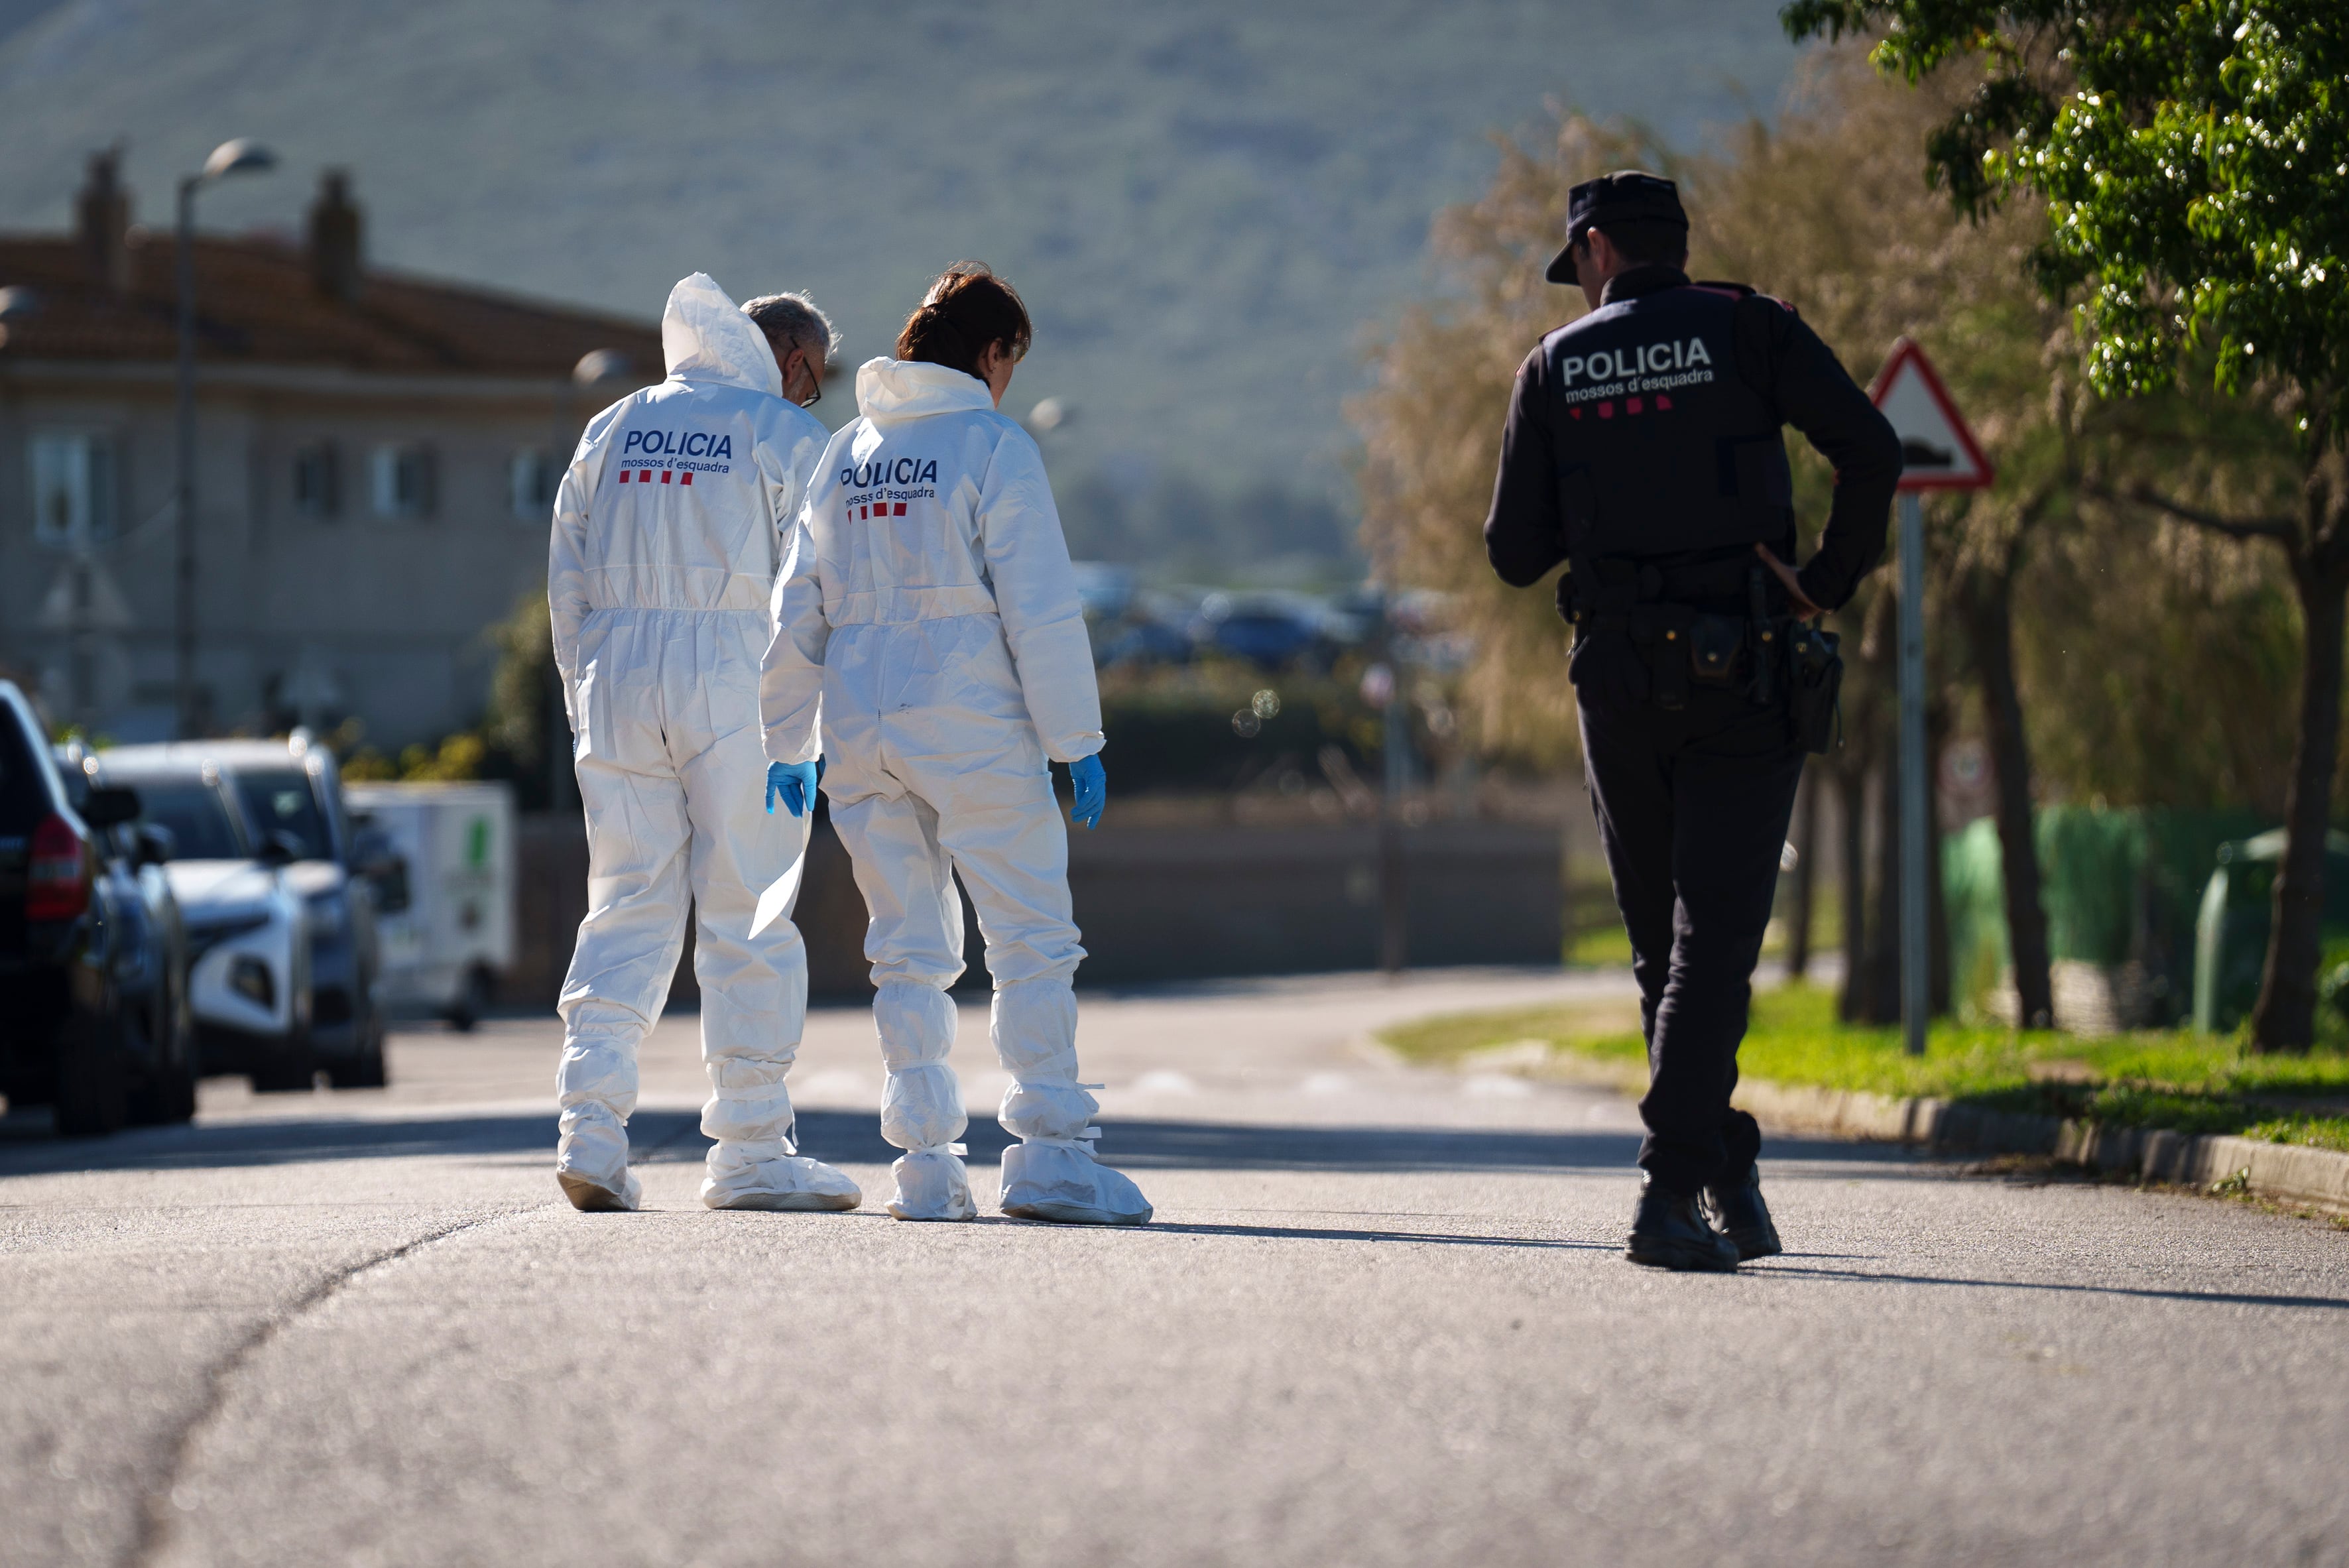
[[891, 389], [705, 336]]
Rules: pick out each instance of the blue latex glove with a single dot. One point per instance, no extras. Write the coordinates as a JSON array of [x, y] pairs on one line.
[[1093, 791], [795, 782]]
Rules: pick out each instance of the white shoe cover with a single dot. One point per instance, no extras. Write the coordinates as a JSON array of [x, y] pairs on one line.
[[1060, 1180], [790, 1183], [931, 1186], [591, 1165]]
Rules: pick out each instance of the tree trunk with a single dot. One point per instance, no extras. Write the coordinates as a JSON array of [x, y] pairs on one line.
[[1937, 900], [1807, 860], [2285, 1016], [1851, 802], [1882, 1005], [1989, 610]]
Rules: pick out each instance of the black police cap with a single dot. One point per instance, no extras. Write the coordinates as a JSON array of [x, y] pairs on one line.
[[1625, 196]]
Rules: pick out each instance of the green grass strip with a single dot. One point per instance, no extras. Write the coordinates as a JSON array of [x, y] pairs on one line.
[[2180, 1081]]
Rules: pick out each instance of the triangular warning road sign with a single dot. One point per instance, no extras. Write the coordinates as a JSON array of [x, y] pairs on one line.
[[1938, 451]]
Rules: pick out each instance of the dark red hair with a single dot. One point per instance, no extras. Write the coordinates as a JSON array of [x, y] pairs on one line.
[[967, 311]]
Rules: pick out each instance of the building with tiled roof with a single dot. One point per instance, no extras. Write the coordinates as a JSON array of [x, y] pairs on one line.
[[376, 457]]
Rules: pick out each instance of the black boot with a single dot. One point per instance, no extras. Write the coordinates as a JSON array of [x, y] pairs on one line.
[[1668, 1233], [1744, 1217]]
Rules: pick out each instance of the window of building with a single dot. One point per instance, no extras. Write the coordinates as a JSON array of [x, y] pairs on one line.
[[531, 479], [317, 481], [77, 487], [402, 481]]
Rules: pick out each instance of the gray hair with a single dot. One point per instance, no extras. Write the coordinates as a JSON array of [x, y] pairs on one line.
[[793, 318]]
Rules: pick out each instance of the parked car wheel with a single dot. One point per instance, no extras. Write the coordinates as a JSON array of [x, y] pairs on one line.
[[170, 1096], [366, 1069], [91, 1101]]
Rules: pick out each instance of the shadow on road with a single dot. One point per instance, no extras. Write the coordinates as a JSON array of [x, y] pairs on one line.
[[1430, 1238], [664, 1137], [671, 1137], [2207, 1297]]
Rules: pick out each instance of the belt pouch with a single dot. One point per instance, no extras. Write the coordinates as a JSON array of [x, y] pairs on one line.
[[1815, 684], [1715, 643], [1660, 632]]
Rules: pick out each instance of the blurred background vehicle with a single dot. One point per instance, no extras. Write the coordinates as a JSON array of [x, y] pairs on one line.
[[1149, 627], [251, 937], [291, 791], [289, 794], [94, 1019], [1272, 630], [441, 859]]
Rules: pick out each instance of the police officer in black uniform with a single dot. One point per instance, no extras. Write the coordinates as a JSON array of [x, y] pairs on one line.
[[1644, 450]]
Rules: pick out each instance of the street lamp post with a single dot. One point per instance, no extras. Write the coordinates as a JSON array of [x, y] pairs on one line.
[[238, 157]]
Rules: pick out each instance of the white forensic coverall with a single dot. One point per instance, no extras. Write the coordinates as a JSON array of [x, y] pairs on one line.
[[929, 616], [669, 529]]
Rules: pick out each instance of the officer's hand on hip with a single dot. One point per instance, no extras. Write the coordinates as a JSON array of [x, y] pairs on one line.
[[795, 782], [1093, 791], [1799, 601]]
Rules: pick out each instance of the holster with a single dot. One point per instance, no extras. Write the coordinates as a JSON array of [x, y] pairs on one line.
[[1815, 686]]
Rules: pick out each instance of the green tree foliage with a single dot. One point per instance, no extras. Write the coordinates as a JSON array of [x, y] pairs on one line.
[[2194, 158]]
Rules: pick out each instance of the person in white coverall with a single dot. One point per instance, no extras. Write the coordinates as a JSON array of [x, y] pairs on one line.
[[929, 643], [669, 529]]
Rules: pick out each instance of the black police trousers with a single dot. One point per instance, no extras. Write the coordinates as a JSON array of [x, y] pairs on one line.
[[1692, 807]]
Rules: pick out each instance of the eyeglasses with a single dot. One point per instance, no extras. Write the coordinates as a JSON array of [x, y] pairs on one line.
[[815, 380]]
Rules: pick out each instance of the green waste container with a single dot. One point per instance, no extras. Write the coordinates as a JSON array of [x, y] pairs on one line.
[[2230, 933]]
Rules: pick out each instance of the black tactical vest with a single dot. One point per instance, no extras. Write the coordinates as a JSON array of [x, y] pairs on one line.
[[1665, 444]]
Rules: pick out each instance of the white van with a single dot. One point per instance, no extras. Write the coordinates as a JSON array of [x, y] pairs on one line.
[[447, 933]]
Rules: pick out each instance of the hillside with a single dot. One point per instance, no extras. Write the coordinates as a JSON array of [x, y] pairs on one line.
[[1205, 203]]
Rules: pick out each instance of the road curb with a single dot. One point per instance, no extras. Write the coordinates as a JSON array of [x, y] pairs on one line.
[[2292, 1173]]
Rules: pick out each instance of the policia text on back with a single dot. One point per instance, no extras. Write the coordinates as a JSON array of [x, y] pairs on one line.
[[1644, 449]]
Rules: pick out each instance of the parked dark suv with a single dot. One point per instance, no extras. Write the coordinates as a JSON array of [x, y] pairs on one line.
[[94, 1019]]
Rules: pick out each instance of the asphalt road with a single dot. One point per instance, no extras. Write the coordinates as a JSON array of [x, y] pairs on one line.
[[1382, 1318]]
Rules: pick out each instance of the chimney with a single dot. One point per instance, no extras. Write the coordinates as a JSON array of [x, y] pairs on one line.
[[102, 219], [334, 232]]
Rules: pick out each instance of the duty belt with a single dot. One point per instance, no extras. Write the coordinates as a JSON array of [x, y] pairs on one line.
[[1616, 584], [1679, 643]]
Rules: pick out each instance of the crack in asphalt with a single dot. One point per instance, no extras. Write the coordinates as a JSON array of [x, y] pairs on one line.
[[160, 1510]]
